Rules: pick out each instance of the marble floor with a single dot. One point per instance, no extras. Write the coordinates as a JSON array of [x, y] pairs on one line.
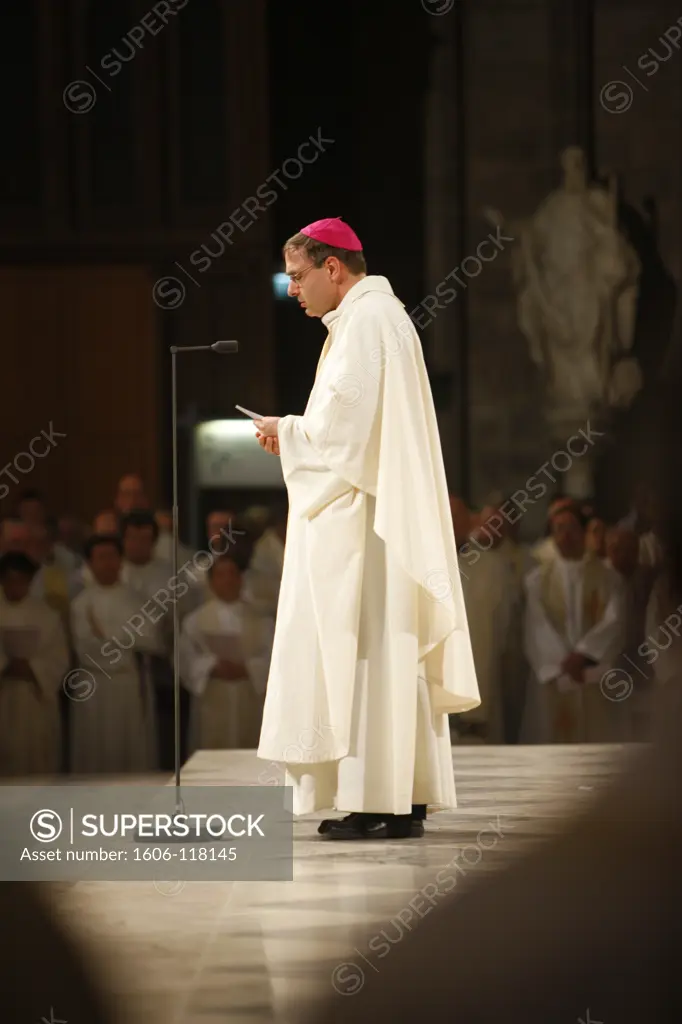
[[256, 951]]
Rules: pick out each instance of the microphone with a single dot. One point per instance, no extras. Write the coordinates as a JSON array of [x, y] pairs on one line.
[[221, 347]]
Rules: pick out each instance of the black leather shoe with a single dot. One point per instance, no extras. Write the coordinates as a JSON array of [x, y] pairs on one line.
[[418, 817], [327, 823], [373, 826]]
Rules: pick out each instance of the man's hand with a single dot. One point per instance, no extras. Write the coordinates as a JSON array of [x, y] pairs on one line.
[[267, 434], [268, 426], [574, 666], [270, 444]]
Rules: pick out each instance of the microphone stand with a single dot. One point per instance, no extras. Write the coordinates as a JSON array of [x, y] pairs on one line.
[[222, 348]]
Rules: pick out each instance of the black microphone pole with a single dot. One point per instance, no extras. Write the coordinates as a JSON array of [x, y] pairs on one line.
[[222, 348]]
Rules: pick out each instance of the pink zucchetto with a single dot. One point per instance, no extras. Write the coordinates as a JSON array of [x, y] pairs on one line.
[[333, 231]]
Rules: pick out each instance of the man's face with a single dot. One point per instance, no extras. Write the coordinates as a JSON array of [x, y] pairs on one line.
[[105, 522], [596, 537], [105, 564], [15, 537], [138, 544], [313, 287], [16, 585], [131, 494], [622, 549], [32, 512], [218, 525], [164, 521], [568, 535], [489, 532], [226, 581]]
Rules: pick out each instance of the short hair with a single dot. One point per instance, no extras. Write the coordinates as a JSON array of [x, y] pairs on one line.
[[575, 508], [15, 561], [98, 539], [238, 551], [29, 494], [139, 517], [318, 252]]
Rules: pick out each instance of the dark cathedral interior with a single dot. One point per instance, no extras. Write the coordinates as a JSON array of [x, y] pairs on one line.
[[513, 169]]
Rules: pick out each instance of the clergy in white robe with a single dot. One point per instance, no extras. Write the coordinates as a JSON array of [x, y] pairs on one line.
[[105, 523], [53, 583], [34, 659], [222, 534], [622, 550], [490, 595], [661, 648], [225, 653], [152, 581], [267, 563], [372, 648], [163, 549], [112, 711], [574, 629]]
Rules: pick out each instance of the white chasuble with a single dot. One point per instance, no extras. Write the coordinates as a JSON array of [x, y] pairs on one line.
[[225, 714], [372, 648], [30, 727], [571, 606], [113, 730]]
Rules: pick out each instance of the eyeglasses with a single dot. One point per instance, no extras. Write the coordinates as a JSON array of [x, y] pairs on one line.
[[297, 278]]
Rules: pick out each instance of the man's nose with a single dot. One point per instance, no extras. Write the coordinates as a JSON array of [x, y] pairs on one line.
[[292, 289]]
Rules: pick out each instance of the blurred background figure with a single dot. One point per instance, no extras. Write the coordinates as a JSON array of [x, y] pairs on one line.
[[15, 535], [490, 594], [575, 621], [34, 658], [595, 537], [130, 494], [225, 659], [113, 721], [164, 544], [71, 535], [107, 521], [54, 583], [462, 520], [256, 520], [267, 562]]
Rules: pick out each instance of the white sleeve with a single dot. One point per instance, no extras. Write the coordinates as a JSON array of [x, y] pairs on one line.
[[51, 662], [196, 663], [545, 648], [258, 664], [606, 640]]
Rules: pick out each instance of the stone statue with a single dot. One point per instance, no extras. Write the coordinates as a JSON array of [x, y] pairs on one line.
[[577, 279]]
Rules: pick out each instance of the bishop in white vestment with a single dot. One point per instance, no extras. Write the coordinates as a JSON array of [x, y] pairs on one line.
[[574, 630], [112, 713], [372, 649], [34, 659], [225, 653]]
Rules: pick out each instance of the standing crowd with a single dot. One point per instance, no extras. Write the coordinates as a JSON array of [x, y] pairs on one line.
[[570, 636], [86, 635]]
